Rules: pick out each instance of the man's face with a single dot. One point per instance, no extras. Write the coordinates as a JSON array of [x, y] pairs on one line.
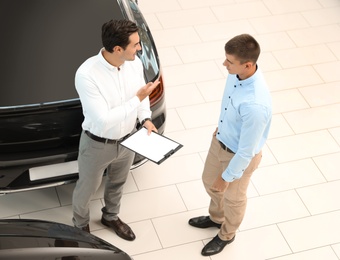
[[233, 65], [134, 46]]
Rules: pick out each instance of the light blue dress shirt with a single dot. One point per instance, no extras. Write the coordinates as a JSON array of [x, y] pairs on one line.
[[245, 119]]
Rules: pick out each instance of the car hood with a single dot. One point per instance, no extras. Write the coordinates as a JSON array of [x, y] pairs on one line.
[[38, 239]]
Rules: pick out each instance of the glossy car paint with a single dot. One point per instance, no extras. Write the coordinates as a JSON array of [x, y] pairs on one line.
[[38, 240]]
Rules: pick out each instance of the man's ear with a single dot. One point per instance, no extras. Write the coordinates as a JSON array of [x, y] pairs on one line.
[[117, 49], [249, 64]]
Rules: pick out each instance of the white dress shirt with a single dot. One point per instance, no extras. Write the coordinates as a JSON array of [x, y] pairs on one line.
[[108, 96]]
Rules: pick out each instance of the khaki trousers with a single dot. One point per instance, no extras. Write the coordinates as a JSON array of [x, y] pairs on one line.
[[227, 208]]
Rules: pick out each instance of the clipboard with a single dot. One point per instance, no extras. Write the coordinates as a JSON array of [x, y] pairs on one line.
[[155, 147]]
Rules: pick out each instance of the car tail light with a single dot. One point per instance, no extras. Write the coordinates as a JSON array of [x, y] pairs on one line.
[[158, 93]]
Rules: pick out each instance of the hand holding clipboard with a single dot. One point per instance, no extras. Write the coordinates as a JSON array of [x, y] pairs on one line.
[[155, 147]]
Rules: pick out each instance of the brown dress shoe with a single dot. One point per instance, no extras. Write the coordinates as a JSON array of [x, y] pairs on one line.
[[86, 228], [121, 229]]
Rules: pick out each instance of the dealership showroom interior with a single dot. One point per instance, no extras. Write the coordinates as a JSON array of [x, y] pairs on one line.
[[180, 85]]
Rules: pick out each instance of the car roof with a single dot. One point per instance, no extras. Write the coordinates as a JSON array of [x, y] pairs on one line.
[[44, 42]]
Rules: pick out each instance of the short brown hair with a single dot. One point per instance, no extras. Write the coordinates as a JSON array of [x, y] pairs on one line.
[[117, 33], [244, 47]]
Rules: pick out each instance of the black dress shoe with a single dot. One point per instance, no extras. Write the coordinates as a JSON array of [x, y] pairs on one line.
[[203, 222], [121, 229], [215, 246]]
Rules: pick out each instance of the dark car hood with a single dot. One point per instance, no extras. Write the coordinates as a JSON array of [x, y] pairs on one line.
[[20, 237], [41, 51]]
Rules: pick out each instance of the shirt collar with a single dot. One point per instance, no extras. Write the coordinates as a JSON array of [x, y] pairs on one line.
[[250, 79], [105, 63]]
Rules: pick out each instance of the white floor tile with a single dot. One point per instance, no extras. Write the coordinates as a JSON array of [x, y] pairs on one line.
[[173, 122], [174, 37], [186, 17], [321, 198], [329, 71], [193, 72], [304, 56], [312, 232], [336, 248], [174, 230], [191, 251], [335, 132], [313, 119], [292, 78], [290, 6], [169, 57], [267, 157], [186, 4], [328, 166], [303, 146], [194, 194], [146, 238], [200, 115], [279, 127], [322, 16], [30, 201], [193, 140], [212, 32], [315, 254], [173, 170], [335, 48], [151, 204], [193, 52], [240, 11], [64, 215], [278, 23], [177, 96], [320, 95], [275, 41], [287, 176], [212, 90], [273, 208], [288, 100], [256, 244], [315, 35]]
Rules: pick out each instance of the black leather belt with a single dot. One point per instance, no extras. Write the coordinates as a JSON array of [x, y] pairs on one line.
[[104, 140], [225, 148]]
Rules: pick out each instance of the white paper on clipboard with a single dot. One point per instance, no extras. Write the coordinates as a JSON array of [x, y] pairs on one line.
[[155, 147]]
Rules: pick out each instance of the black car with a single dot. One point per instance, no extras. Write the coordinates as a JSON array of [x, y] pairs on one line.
[[43, 42], [45, 240]]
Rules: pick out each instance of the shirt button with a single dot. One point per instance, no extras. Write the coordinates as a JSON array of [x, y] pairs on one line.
[[218, 133], [229, 96], [234, 86]]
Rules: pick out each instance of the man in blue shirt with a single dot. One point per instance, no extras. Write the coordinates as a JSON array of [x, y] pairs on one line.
[[235, 150]]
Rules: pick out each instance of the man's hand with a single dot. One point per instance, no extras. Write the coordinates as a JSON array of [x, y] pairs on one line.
[[150, 126], [220, 185], [145, 91]]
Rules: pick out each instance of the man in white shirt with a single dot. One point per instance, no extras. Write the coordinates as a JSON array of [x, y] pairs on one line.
[[113, 94]]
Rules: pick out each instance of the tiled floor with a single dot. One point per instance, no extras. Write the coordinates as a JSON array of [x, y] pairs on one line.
[[293, 208]]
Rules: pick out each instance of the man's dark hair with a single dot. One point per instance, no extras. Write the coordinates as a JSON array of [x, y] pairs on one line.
[[117, 33], [244, 47]]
